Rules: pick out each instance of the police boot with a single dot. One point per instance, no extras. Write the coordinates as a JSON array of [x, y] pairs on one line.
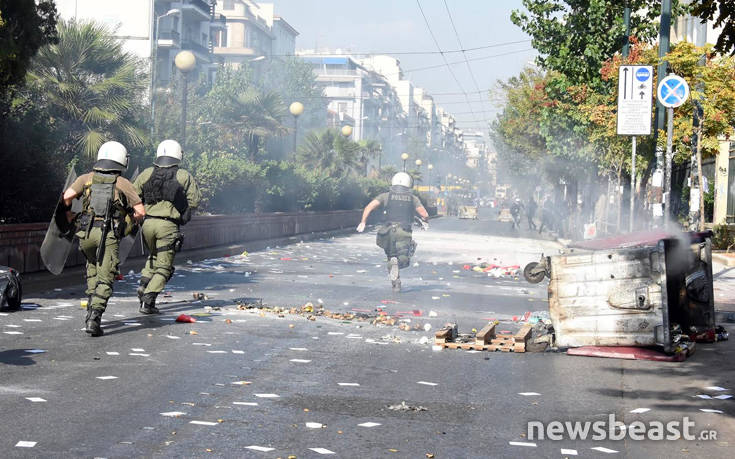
[[148, 306], [94, 320], [141, 289]]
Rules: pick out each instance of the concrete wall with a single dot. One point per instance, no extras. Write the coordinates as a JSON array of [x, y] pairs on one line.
[[20, 244]]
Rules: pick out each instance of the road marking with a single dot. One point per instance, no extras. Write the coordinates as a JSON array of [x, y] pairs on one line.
[[203, 423], [298, 348], [300, 361], [522, 443], [717, 388], [262, 449], [322, 451], [217, 352], [32, 320], [426, 383], [723, 397], [200, 344], [568, 452], [104, 378], [13, 333], [245, 403], [173, 337], [704, 396], [234, 351], [173, 414], [137, 349], [528, 394], [604, 450], [35, 399], [267, 395], [139, 354], [315, 425], [708, 410], [369, 424], [35, 351], [640, 410], [25, 444], [348, 384], [112, 353]]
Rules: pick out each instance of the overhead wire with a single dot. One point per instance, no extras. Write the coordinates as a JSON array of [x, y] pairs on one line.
[[438, 47], [398, 53], [464, 54]]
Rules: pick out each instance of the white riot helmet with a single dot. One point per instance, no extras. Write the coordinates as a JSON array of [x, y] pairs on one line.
[[168, 154], [112, 156], [402, 179]]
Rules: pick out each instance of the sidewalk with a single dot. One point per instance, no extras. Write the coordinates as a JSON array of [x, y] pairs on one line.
[[724, 288]]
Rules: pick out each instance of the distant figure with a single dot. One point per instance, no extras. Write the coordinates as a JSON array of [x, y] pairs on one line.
[[531, 212], [515, 211], [547, 216]]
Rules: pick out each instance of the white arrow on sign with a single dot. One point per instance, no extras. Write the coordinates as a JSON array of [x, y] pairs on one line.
[[635, 91]]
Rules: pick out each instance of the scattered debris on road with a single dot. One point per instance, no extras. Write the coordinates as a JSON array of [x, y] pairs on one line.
[[403, 406]]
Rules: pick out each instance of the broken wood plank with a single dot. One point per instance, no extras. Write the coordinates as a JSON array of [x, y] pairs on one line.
[[486, 334]]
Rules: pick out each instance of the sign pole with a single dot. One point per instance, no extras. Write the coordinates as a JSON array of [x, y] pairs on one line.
[[632, 186], [669, 159]]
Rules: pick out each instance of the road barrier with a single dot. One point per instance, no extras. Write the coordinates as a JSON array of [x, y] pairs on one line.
[[20, 243]]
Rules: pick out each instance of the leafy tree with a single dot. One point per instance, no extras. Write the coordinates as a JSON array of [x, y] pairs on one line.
[[25, 26], [725, 11], [330, 152], [91, 86], [574, 37]]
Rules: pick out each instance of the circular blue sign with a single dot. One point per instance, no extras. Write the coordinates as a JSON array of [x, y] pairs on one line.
[[673, 91], [642, 74]]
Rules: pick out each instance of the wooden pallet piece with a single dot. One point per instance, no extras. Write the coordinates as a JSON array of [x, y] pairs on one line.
[[521, 338], [487, 333], [446, 334]]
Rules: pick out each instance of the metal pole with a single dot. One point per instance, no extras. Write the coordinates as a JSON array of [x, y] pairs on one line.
[[631, 224], [669, 158], [295, 131], [185, 76], [663, 49], [626, 21], [153, 79]]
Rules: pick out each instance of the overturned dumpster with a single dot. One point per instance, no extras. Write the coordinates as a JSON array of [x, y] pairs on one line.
[[640, 289]]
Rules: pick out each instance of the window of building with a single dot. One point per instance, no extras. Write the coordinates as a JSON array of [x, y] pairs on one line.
[[229, 5]]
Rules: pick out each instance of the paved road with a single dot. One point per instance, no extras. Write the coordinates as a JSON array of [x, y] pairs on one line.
[[248, 383]]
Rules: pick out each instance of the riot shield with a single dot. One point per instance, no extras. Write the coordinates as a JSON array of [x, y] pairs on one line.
[[127, 243], [60, 234]]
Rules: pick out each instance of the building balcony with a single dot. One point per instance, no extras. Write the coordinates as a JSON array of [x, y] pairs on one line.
[[195, 47], [200, 8], [169, 39], [218, 21]]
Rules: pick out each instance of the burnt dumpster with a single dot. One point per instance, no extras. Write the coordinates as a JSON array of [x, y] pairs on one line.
[[640, 289]]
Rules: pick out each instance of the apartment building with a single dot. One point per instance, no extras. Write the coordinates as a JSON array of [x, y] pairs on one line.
[[254, 32], [156, 30]]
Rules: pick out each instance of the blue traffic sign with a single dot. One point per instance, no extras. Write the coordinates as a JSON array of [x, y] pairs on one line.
[[673, 91], [642, 74]]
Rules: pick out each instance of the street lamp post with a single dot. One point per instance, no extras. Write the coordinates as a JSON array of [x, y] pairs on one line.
[[154, 64], [185, 61], [296, 109], [404, 157], [418, 167], [430, 167]]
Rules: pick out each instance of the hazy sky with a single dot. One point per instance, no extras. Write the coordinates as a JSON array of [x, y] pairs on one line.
[[390, 26]]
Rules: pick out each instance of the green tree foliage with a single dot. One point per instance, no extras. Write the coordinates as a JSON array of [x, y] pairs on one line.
[[25, 26], [92, 87], [330, 152], [575, 37], [724, 10]]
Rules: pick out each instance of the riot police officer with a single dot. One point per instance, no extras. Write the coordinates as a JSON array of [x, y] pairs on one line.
[[170, 194], [394, 237], [108, 199]]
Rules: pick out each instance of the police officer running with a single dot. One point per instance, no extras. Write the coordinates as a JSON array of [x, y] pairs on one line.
[[108, 199], [170, 194], [394, 237]]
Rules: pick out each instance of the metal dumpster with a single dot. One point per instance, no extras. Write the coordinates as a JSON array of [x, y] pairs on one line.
[[631, 290]]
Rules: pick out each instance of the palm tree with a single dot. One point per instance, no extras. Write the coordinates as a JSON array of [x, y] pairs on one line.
[[330, 152], [92, 86], [255, 114], [369, 149]]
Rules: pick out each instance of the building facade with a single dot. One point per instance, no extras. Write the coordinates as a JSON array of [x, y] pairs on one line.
[[156, 30], [254, 32]]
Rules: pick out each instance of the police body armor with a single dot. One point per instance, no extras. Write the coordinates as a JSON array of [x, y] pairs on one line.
[[98, 198], [400, 208], [164, 186]]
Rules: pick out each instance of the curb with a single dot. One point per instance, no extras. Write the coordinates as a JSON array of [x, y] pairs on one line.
[[723, 259]]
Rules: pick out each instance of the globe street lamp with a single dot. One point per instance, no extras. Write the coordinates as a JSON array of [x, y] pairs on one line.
[[404, 157], [296, 109], [346, 130], [185, 61]]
